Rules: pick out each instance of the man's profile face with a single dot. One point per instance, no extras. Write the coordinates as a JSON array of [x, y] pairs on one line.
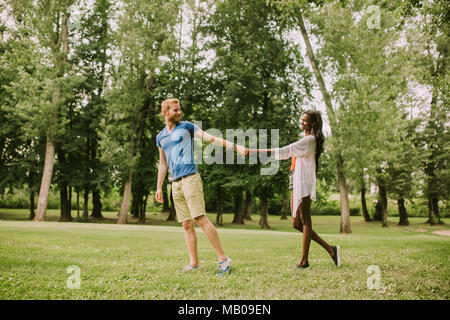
[[173, 114]]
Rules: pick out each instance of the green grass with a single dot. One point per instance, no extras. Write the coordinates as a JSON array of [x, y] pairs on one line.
[[138, 261]]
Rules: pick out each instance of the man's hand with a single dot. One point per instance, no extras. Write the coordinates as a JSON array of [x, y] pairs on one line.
[[243, 151], [159, 196]]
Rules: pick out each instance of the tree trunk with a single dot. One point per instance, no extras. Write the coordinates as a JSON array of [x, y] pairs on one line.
[[78, 204], [144, 209], [172, 211], [166, 207], [125, 201], [50, 147], [69, 204], [219, 216], [345, 226], [378, 210], [365, 212], [96, 197], [436, 210], [46, 180], [65, 215], [32, 214], [238, 207], [86, 202], [248, 206], [88, 178], [135, 204], [284, 207], [134, 146], [403, 221], [63, 195], [383, 201], [431, 211], [263, 222], [97, 205]]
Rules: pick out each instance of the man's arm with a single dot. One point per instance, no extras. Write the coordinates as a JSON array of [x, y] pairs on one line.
[[220, 142], [162, 170]]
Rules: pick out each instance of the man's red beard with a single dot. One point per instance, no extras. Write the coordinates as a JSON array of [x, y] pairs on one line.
[[175, 119]]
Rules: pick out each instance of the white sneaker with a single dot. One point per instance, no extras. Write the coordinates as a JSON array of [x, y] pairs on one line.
[[225, 267], [337, 255], [190, 268]]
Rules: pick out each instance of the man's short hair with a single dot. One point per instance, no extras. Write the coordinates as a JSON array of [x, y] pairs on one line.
[[165, 105]]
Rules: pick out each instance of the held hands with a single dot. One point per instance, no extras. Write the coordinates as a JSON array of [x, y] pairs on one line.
[[246, 151], [243, 151]]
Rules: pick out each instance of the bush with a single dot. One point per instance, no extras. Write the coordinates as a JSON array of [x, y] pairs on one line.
[[20, 199], [332, 208]]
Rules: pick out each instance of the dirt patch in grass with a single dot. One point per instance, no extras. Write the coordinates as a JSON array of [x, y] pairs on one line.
[[442, 232]]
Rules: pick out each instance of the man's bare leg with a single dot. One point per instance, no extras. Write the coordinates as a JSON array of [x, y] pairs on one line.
[[191, 241], [211, 233]]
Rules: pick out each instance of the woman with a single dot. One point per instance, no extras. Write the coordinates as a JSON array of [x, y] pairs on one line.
[[307, 152]]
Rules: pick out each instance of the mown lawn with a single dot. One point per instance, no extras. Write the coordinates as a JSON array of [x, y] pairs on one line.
[[138, 261]]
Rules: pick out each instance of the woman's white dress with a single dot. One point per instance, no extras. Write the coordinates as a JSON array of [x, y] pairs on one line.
[[305, 168]]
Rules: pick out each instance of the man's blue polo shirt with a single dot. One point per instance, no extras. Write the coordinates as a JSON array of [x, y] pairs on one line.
[[178, 146]]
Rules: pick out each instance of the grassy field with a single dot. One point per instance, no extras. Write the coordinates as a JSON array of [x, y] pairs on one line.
[[138, 261]]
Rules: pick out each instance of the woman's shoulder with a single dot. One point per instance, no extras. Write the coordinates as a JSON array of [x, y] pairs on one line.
[[310, 137]]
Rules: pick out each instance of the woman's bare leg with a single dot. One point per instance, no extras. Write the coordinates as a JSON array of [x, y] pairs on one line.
[[297, 224], [305, 217]]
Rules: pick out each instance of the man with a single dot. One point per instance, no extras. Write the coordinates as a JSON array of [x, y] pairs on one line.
[[175, 143]]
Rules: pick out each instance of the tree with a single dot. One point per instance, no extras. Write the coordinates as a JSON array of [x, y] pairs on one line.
[[48, 20], [145, 34], [260, 84], [372, 104], [295, 10], [20, 153], [91, 55], [429, 42]]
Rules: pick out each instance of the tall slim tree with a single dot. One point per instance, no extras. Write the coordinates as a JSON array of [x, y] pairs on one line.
[[429, 39], [145, 34], [48, 21], [295, 10], [261, 84]]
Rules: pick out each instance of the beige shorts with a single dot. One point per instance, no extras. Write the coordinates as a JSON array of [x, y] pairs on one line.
[[188, 197]]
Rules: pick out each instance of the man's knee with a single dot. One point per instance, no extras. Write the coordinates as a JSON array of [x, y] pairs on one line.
[[202, 221], [188, 224]]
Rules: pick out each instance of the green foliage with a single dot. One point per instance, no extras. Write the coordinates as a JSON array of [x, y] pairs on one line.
[[260, 82], [141, 40], [234, 65]]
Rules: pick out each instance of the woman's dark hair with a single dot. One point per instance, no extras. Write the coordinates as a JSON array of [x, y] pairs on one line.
[[315, 120]]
